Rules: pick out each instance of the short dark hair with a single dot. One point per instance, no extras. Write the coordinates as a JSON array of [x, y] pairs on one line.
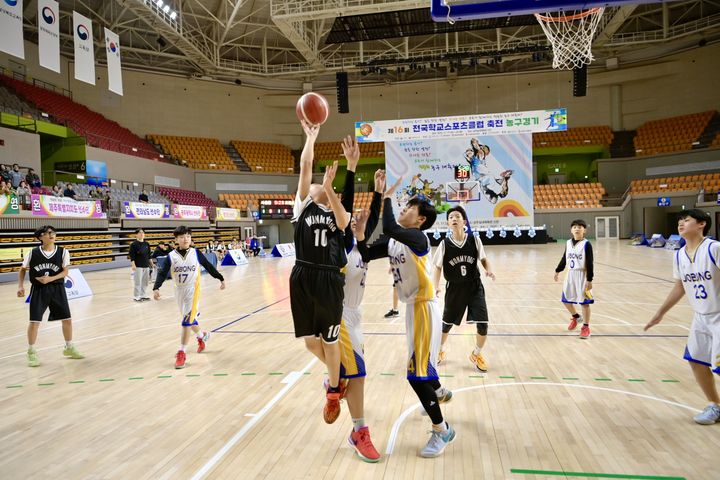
[[459, 209], [426, 209], [44, 229], [138, 230], [182, 230], [579, 222], [700, 216]]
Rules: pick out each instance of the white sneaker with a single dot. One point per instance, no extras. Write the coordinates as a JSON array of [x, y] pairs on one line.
[[709, 416], [437, 443]]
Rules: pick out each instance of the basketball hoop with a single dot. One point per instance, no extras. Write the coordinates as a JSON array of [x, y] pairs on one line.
[[571, 35]]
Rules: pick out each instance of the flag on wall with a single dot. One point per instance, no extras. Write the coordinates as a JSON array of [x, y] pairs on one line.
[[112, 50], [49, 34], [11, 31], [84, 52]]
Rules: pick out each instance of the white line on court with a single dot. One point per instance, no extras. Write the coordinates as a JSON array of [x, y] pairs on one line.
[[251, 423], [401, 419]]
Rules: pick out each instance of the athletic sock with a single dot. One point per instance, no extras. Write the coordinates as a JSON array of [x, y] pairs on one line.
[[477, 350], [31, 347], [199, 334], [358, 423], [182, 348], [68, 344], [576, 315], [442, 427]]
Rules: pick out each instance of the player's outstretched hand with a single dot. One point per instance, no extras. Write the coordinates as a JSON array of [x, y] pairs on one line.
[[21, 292], [351, 150], [380, 180], [557, 276], [490, 274], [222, 285], [311, 131], [653, 321], [389, 192], [329, 177], [156, 294]]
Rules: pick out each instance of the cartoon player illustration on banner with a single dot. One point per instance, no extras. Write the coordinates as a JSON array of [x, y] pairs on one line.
[[476, 156]]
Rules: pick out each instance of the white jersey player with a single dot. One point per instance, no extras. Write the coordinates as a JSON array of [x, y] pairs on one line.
[[696, 270], [183, 264], [577, 287]]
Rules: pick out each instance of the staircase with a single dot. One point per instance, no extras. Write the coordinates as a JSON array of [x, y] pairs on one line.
[[236, 158], [622, 144], [708, 135]]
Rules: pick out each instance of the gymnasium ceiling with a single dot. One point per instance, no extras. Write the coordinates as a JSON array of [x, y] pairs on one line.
[[281, 44]]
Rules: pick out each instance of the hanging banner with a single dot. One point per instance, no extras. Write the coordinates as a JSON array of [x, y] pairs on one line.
[[146, 210], [112, 50], [84, 49], [189, 212], [490, 176], [227, 213], [49, 34], [9, 205], [11, 32], [462, 126], [50, 206]]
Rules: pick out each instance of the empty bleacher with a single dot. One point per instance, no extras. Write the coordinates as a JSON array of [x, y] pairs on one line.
[[710, 182], [574, 137], [675, 134], [572, 195], [11, 103], [97, 130], [118, 194], [243, 201], [186, 197], [199, 153], [333, 150], [265, 157]]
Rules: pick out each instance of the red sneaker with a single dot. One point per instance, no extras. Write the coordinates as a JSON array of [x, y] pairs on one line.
[[573, 323], [180, 359], [201, 342], [331, 411], [585, 332], [363, 446], [343, 386]]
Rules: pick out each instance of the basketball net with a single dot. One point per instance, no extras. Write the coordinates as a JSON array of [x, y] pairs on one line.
[[571, 35]]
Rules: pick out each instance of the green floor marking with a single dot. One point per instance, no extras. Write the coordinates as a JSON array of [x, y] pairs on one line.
[[107, 379], [446, 376], [636, 379], [670, 381], [388, 374], [570, 378], [476, 376], [45, 384], [136, 378], [506, 376], [307, 373], [538, 378], [246, 374], [78, 381], [14, 386], [164, 376], [220, 374], [276, 373], [192, 375], [603, 379], [593, 475]]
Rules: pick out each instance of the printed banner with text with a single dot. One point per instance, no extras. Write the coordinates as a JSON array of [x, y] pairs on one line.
[[189, 212], [50, 206], [9, 205], [49, 34], [462, 126], [84, 49], [146, 210], [227, 213], [11, 28]]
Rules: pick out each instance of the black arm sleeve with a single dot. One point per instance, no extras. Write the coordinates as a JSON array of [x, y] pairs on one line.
[[412, 237], [561, 265], [364, 250], [162, 274], [589, 267], [377, 250], [374, 217], [208, 266], [348, 193]]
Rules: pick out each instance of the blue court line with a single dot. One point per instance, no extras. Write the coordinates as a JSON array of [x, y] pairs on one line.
[[636, 273], [248, 315], [397, 334]]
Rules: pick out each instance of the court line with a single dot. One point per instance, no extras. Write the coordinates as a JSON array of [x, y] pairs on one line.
[[636, 273], [592, 475], [502, 334], [248, 315], [401, 419], [210, 464]]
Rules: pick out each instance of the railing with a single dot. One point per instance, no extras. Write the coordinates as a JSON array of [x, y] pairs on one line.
[[36, 82]]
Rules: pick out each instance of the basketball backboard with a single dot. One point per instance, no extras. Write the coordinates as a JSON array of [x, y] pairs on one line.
[[462, 191]]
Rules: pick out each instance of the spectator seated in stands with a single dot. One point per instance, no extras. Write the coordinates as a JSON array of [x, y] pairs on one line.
[[33, 179], [16, 176], [69, 192], [6, 188], [143, 197], [23, 193], [5, 173], [57, 191]]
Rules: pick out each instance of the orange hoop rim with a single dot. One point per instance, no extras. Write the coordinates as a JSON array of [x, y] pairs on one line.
[[567, 18]]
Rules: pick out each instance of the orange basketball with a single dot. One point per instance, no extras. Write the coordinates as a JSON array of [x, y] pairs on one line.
[[313, 108]]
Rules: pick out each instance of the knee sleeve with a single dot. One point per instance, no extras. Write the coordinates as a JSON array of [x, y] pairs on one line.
[[482, 328], [446, 327]]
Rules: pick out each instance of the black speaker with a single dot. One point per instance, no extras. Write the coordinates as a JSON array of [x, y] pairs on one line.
[[580, 81], [341, 80]]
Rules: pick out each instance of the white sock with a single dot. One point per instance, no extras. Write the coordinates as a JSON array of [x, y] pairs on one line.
[[200, 334], [477, 350], [68, 344], [31, 347], [442, 428], [358, 423], [182, 348]]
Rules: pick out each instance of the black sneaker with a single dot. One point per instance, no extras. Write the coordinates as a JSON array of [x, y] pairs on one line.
[[392, 314]]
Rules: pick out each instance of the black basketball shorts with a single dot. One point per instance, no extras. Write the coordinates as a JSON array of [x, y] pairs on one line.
[[465, 295], [52, 296], [316, 301]]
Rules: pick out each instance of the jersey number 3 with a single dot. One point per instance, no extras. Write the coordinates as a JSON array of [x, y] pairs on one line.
[[700, 292], [320, 237]]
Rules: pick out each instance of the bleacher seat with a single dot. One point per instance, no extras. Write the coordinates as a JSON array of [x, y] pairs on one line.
[[675, 134], [333, 150], [186, 197], [265, 157], [199, 153], [572, 195], [710, 182], [574, 137]]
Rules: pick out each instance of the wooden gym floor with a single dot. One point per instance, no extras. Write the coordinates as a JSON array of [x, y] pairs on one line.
[[250, 406]]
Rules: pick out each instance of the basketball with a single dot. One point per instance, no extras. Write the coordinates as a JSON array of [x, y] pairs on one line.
[[313, 108]]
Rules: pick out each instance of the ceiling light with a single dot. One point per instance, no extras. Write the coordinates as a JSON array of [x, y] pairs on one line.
[[173, 15], [166, 8], [159, 3]]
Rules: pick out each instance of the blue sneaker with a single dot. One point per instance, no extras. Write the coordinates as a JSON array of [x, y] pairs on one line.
[[709, 416], [437, 443]]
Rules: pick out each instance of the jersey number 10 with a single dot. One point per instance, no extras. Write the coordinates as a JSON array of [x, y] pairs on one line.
[[320, 237]]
